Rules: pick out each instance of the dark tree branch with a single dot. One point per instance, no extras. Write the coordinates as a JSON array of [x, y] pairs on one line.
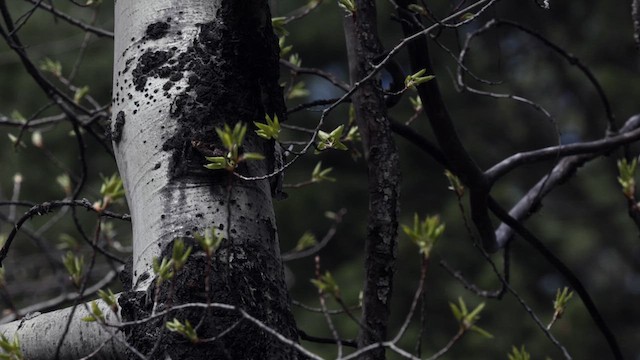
[[363, 48], [311, 104], [45, 121], [595, 148], [302, 11], [320, 340], [573, 280], [564, 170], [294, 255], [459, 159], [73, 21], [317, 72]]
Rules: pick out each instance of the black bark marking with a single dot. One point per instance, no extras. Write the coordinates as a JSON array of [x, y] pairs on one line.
[[157, 30], [224, 85], [118, 127], [149, 65]]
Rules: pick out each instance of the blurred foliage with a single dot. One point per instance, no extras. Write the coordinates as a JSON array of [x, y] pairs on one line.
[[585, 221]]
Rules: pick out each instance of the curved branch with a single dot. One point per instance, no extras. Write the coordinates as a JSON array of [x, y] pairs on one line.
[[595, 147], [294, 255], [566, 168]]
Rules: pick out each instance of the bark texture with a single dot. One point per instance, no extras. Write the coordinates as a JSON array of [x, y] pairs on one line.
[[181, 70], [40, 334], [384, 176]]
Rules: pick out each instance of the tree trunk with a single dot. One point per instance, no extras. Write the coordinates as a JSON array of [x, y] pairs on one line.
[[183, 69], [383, 165]]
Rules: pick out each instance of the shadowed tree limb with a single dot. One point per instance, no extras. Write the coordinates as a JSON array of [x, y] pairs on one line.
[[364, 47], [461, 162]]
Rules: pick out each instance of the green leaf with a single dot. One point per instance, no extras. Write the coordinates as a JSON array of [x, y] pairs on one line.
[[295, 60], [416, 103], [482, 332], [519, 354], [67, 242], [251, 156], [319, 174], [326, 284], [232, 140], [11, 348], [467, 319], [112, 188], [270, 129], [284, 50], [306, 241], [425, 234], [216, 163], [80, 93], [185, 329], [331, 140], [225, 136], [298, 90], [278, 24], [51, 66], [180, 254], [163, 270], [560, 302], [109, 298], [627, 171], [456, 311], [75, 266], [347, 5], [210, 241], [474, 314], [411, 81]]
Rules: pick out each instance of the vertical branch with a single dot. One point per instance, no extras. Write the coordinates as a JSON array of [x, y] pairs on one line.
[[444, 130], [384, 176]]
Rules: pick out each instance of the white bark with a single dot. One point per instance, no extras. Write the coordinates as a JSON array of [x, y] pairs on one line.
[[39, 335], [140, 149], [163, 208]]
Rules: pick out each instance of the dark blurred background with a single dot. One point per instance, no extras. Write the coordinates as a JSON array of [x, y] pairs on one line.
[[584, 221]]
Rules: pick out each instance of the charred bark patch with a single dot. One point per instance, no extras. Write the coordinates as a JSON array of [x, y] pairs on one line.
[[149, 64], [157, 30], [118, 126], [232, 75]]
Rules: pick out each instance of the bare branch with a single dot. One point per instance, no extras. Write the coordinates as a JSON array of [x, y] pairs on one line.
[[73, 21]]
